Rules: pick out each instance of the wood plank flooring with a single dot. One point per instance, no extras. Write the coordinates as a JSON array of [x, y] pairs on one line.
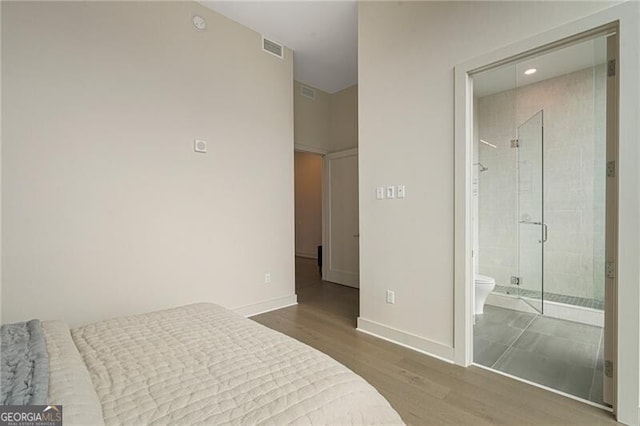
[[424, 390]]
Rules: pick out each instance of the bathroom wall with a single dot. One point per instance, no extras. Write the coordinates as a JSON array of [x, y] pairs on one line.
[[574, 179]]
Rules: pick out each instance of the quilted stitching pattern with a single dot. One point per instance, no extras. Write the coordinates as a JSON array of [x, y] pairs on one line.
[[69, 381], [202, 364]]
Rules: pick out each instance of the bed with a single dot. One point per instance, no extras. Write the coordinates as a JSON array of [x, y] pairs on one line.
[[200, 364]]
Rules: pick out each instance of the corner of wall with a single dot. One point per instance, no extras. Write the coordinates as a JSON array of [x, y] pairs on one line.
[[266, 306]]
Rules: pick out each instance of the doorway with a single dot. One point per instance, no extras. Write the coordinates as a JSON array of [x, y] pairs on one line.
[[326, 216], [308, 172], [541, 217]]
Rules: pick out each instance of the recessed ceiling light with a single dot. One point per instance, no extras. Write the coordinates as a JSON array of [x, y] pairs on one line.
[[530, 71]]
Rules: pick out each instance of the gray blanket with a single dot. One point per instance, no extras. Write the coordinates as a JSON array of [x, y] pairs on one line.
[[24, 364]]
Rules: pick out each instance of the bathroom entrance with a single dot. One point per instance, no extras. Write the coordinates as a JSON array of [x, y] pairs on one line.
[[539, 217]]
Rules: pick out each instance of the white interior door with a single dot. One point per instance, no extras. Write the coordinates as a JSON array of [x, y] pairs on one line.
[[342, 253]]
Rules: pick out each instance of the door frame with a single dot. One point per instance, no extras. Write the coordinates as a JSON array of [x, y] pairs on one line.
[[610, 340], [322, 153], [626, 18], [326, 240], [326, 196]]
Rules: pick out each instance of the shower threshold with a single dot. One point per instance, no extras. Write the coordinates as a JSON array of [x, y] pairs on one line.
[[553, 297], [552, 308]]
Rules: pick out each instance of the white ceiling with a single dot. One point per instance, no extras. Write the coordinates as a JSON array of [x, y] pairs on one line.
[[323, 35], [556, 63]]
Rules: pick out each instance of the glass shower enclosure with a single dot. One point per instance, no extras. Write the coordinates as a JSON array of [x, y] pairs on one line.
[[532, 229], [539, 147]]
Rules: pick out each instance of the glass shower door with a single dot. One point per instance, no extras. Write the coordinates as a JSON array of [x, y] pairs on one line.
[[532, 231]]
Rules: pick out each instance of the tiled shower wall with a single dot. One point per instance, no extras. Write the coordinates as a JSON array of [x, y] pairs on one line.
[[574, 181]]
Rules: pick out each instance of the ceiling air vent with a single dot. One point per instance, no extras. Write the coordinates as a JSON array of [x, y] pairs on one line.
[[270, 46], [308, 92]]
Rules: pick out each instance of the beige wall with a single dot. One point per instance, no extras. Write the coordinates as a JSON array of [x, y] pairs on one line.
[[311, 118], [407, 52], [308, 196], [106, 209], [343, 123], [330, 122]]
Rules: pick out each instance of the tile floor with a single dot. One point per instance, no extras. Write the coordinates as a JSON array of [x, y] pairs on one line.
[[560, 354]]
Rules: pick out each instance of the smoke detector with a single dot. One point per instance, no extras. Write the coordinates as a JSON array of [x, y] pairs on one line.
[[199, 23]]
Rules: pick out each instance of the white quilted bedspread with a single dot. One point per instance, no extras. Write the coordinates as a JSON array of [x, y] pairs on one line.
[[202, 364], [69, 381]]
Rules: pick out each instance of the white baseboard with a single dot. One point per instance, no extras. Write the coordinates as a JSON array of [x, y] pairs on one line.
[[266, 306], [563, 311], [407, 340]]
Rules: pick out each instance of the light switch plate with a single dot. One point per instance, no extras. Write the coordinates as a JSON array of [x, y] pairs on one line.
[[391, 192], [391, 296], [400, 191], [380, 193]]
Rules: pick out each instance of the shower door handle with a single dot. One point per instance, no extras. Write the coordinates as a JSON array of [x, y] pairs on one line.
[[528, 222], [545, 229]]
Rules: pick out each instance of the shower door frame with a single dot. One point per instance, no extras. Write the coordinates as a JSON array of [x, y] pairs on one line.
[[625, 18]]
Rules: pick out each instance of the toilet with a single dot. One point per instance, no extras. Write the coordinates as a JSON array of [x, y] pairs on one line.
[[484, 286]]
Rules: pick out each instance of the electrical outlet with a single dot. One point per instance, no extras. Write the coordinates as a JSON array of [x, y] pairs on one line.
[[391, 296], [267, 278]]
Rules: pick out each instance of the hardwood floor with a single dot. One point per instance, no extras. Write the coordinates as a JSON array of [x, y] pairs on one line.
[[424, 390]]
